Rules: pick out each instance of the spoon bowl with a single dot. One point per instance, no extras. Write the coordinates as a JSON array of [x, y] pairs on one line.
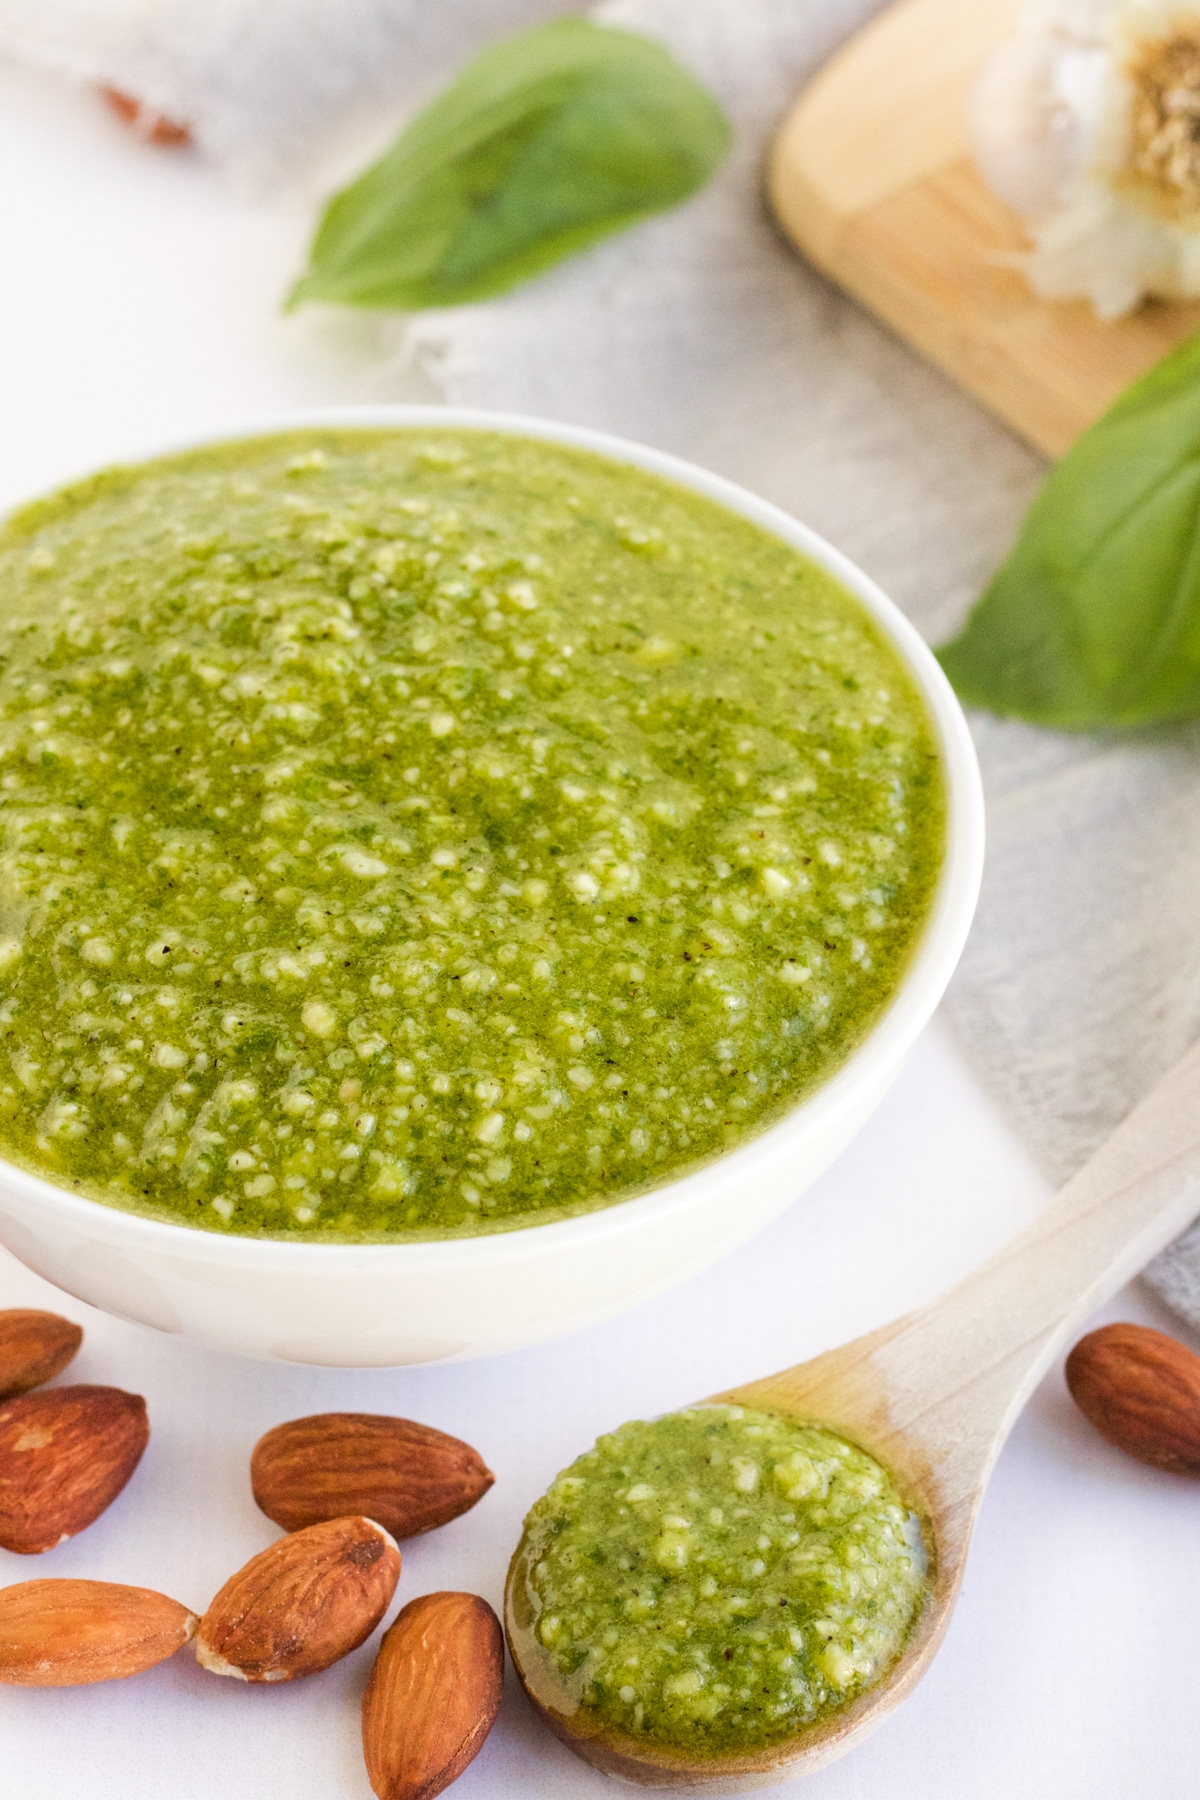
[[933, 1397]]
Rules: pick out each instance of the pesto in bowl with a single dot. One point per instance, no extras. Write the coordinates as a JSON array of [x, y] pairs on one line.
[[419, 832]]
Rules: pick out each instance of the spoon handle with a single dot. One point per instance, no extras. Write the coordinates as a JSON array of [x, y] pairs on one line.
[[958, 1372], [1000, 1329], [939, 1391]]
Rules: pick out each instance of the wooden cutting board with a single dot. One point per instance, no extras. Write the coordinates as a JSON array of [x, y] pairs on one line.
[[871, 176]]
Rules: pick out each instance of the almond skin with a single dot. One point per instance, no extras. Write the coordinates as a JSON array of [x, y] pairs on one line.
[[301, 1605], [34, 1347], [433, 1695], [65, 1454], [68, 1633], [155, 127], [1141, 1390], [407, 1476]]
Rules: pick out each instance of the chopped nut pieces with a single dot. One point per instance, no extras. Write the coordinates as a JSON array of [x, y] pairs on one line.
[[302, 1604], [34, 1347], [1141, 1390], [65, 1454], [407, 1476], [433, 1695], [68, 1633]]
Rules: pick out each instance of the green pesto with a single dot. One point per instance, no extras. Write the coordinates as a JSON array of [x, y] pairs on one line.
[[406, 833], [716, 1580]]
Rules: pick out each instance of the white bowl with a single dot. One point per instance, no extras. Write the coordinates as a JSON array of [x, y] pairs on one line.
[[373, 1305]]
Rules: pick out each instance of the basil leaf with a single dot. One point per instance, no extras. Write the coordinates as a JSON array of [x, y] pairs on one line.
[[1094, 620], [543, 144]]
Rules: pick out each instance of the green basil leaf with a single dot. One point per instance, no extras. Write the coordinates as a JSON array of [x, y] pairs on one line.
[[543, 144], [1094, 620]]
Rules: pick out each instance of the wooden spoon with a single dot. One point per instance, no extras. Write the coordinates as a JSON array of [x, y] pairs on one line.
[[934, 1396]]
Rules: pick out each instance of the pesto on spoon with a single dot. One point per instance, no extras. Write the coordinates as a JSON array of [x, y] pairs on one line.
[[717, 1579]]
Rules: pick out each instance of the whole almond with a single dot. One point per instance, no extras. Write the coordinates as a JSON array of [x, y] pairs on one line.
[[65, 1454], [407, 1476], [296, 1608], [67, 1633], [433, 1695], [34, 1347], [1141, 1390]]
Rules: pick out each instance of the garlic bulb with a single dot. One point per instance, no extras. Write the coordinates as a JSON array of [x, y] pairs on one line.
[[1088, 124]]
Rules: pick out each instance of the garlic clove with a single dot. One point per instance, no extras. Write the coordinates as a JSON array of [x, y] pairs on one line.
[[1019, 143], [1035, 118]]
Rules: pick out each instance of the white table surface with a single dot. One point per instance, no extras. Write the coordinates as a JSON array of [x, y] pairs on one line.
[[138, 304]]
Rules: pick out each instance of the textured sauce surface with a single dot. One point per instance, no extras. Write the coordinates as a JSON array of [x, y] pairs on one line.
[[418, 832], [717, 1580]]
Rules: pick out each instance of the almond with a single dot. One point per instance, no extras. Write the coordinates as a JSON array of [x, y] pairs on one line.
[[34, 1347], [1141, 1390], [65, 1454], [66, 1633], [407, 1476], [299, 1606], [433, 1695]]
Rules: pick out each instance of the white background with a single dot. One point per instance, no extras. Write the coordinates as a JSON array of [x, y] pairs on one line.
[[139, 304]]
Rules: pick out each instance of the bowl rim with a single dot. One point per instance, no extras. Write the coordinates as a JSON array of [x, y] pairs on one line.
[[912, 1003]]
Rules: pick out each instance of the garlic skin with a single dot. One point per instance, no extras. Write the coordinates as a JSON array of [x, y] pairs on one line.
[[1028, 141], [1087, 123]]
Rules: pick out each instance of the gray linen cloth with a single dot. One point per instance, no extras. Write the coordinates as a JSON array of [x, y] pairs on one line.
[[702, 333]]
